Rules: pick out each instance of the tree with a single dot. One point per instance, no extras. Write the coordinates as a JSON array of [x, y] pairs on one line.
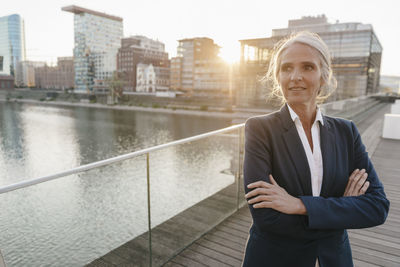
[[116, 85]]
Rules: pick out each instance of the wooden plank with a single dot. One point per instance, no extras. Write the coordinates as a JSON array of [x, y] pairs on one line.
[[384, 247], [239, 222], [194, 255], [376, 235], [359, 263], [180, 259], [238, 246], [221, 248], [172, 264], [371, 259], [232, 231], [377, 254], [218, 256], [243, 229], [228, 236]]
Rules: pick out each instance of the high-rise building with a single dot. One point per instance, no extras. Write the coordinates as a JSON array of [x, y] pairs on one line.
[[139, 49], [202, 71], [97, 40], [56, 77], [354, 47], [12, 43]]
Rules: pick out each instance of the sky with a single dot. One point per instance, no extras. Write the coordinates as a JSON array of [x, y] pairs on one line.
[[49, 31]]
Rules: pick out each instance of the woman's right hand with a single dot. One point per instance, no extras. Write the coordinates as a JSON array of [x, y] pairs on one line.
[[357, 184]]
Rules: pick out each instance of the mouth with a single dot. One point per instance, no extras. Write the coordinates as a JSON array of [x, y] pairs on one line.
[[297, 88]]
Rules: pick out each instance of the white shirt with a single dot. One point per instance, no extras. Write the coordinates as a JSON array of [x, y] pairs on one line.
[[314, 157]]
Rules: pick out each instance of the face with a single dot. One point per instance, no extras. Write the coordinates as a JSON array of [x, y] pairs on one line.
[[300, 74]]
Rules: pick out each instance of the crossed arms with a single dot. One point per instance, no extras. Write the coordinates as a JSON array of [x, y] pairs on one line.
[[363, 203]]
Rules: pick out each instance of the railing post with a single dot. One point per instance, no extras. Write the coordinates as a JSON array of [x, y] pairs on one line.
[[238, 173], [148, 206]]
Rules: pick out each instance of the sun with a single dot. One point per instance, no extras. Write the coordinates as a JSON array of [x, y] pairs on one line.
[[230, 54]]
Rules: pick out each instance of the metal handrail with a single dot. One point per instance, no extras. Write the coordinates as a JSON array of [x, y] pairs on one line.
[[86, 167]]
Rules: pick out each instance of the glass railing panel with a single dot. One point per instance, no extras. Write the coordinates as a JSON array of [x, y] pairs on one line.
[[194, 186], [349, 108], [77, 219]]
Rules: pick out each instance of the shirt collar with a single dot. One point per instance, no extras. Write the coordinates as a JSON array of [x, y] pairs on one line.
[[294, 116]]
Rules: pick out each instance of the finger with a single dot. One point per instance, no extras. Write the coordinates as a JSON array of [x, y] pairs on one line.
[[255, 192], [272, 180], [361, 182], [350, 181], [260, 191], [354, 173], [259, 184], [364, 188], [353, 191], [260, 199], [264, 204]]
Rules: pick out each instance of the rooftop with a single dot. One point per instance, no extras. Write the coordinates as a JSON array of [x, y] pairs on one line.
[[79, 10]]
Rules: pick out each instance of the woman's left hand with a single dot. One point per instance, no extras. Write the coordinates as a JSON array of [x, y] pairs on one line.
[[271, 195]]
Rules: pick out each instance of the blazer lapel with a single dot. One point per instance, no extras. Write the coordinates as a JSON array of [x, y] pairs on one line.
[[328, 150], [296, 151]]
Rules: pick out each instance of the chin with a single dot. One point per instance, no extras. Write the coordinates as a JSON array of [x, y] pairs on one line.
[[300, 101]]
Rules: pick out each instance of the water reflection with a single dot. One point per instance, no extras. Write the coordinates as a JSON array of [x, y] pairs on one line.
[[11, 143], [73, 220]]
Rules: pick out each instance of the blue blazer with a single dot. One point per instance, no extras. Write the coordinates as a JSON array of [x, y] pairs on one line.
[[273, 146]]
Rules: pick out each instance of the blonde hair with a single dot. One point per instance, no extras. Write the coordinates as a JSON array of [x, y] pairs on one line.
[[313, 40]]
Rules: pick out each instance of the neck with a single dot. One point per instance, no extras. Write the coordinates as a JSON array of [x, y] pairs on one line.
[[306, 113]]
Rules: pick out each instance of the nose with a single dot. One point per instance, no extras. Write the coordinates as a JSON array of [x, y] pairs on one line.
[[296, 75]]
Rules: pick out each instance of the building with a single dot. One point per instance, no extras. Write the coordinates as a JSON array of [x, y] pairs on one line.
[[175, 73], [97, 40], [6, 82], [198, 70], [356, 58], [139, 49], [57, 77], [12, 43], [390, 84], [151, 79], [25, 72]]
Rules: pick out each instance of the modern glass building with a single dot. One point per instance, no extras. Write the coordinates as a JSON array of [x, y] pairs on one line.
[[12, 43], [355, 50], [97, 38]]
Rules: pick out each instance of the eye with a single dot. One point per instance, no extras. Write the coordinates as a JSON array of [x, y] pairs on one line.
[[286, 68], [308, 67]]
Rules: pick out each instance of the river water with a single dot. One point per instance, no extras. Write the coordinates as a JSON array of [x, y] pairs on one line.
[[76, 219]]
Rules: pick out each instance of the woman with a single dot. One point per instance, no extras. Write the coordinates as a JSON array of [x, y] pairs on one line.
[[307, 176]]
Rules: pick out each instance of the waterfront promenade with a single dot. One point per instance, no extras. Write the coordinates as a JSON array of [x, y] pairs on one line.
[[224, 244]]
